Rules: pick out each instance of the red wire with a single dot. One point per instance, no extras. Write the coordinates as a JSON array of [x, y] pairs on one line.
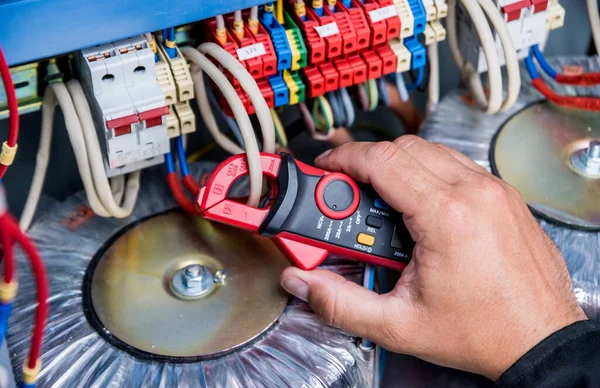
[[585, 79], [7, 245], [190, 184], [183, 201], [585, 103], [41, 284], [13, 106]]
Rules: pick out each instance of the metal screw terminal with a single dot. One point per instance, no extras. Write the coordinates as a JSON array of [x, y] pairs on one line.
[[220, 276], [587, 160], [193, 281]]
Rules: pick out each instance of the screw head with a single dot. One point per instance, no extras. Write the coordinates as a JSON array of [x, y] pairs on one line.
[[220, 276], [593, 150]]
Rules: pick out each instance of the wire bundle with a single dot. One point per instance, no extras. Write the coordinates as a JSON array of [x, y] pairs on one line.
[[107, 199], [585, 103], [200, 64], [9, 147], [478, 10], [9, 234]]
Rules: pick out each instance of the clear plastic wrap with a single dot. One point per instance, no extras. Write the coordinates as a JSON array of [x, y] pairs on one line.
[[470, 131], [298, 351]]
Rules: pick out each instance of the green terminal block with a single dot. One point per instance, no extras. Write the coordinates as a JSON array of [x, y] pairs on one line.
[[299, 52]]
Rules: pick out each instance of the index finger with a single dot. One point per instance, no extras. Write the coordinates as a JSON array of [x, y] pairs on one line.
[[401, 180]]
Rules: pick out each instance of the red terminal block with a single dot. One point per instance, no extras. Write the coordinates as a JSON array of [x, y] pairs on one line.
[[267, 92], [359, 68], [378, 28], [359, 23], [344, 24], [230, 45], [333, 42], [374, 64], [269, 59], [393, 23], [253, 65], [388, 58], [243, 97], [345, 72], [315, 45], [315, 82], [331, 77]]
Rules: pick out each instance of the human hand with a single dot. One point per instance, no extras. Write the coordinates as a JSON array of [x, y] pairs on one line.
[[485, 284]]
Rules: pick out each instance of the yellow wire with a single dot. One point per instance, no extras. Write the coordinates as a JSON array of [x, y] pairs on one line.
[[279, 130], [280, 11], [200, 153], [323, 118]]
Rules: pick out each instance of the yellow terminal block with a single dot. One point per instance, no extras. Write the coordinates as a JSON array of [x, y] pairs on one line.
[[556, 16], [440, 31], [295, 52], [429, 35], [181, 75], [164, 77], [293, 88], [402, 54], [407, 19], [173, 126], [187, 119]]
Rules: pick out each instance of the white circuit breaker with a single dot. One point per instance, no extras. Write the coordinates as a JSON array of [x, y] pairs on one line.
[[527, 22], [128, 105]]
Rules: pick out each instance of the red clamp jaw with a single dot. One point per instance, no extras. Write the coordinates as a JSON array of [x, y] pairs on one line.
[[212, 199]]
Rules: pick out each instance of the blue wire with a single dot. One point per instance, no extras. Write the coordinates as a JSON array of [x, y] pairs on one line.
[[235, 129], [347, 3], [420, 78], [533, 73], [183, 166], [542, 61], [336, 108], [5, 309], [169, 163], [169, 34], [381, 364]]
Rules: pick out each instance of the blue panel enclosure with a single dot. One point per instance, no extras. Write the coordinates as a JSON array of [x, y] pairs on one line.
[[35, 29]]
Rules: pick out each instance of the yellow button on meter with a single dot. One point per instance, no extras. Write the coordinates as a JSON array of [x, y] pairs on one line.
[[365, 239]]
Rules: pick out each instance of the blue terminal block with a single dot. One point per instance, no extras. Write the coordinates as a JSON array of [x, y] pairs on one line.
[[280, 41], [418, 10], [417, 52], [32, 30], [280, 90]]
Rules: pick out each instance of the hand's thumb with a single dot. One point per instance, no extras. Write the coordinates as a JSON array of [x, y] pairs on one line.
[[342, 303]]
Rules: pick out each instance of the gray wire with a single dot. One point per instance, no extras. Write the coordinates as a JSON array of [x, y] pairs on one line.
[[348, 107], [401, 86]]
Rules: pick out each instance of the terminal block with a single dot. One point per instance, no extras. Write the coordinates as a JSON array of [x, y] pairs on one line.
[[165, 79], [297, 46], [185, 116], [127, 103], [181, 74]]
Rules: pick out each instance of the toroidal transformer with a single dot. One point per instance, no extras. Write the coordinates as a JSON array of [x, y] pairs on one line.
[[551, 155], [166, 299]]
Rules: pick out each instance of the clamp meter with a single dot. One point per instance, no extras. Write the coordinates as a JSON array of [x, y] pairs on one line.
[[311, 213]]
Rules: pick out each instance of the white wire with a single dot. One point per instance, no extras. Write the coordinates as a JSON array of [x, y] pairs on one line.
[[207, 113], [434, 77], [510, 54], [592, 7], [401, 86], [254, 13], [94, 153], [482, 27], [220, 22], [240, 114], [57, 92], [248, 84]]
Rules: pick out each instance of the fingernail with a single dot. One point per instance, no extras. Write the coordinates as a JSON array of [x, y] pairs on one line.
[[323, 155], [296, 287]]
